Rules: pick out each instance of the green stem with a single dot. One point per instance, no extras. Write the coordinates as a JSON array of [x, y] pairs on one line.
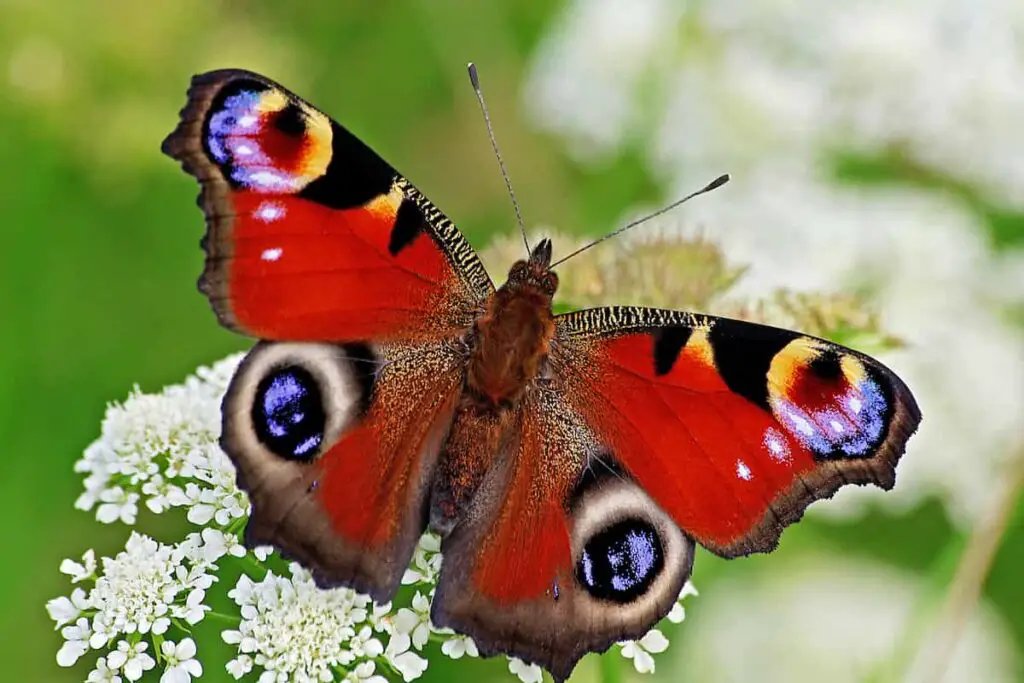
[[224, 617], [975, 564], [611, 667]]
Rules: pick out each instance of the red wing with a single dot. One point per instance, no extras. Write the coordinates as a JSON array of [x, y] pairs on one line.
[[312, 236], [536, 567], [733, 428], [336, 446]]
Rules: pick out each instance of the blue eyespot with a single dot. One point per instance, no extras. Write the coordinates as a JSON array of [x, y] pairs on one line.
[[620, 563], [288, 413]]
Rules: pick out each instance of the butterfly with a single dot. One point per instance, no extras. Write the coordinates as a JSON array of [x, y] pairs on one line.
[[570, 463]]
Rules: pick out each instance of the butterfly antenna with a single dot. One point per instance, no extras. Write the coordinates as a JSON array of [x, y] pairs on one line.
[[713, 185], [474, 78]]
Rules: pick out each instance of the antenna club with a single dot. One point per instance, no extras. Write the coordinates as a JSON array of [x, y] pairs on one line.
[[718, 182], [474, 78]]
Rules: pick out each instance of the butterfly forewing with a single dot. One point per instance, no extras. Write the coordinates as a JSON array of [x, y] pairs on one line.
[[310, 235], [733, 427]]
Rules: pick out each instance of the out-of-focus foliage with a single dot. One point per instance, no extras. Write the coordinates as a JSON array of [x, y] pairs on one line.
[[876, 156]]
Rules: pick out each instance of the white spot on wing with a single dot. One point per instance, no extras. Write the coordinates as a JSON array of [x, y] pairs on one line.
[[269, 211], [742, 471], [775, 442], [271, 254]]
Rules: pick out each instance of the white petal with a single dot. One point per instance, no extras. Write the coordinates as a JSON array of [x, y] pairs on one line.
[[62, 610], [186, 649], [654, 641], [175, 674], [70, 652], [643, 662]]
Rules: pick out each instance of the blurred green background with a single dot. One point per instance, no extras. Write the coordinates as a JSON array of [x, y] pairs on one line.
[[99, 257]]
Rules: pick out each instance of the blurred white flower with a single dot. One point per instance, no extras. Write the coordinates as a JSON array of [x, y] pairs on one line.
[[181, 662], [640, 651], [595, 102], [825, 618], [771, 92], [527, 673]]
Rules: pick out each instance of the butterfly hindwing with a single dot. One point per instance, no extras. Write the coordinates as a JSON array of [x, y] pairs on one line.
[[336, 454], [312, 236], [557, 555], [733, 428]]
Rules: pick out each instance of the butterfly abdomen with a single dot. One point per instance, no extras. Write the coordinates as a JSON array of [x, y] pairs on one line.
[[510, 343]]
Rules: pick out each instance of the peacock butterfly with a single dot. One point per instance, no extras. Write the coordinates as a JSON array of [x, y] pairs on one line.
[[570, 462]]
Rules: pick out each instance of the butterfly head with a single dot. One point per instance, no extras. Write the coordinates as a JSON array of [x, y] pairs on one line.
[[536, 270]]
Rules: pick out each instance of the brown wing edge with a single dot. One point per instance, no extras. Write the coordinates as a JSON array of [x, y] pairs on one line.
[[185, 144]]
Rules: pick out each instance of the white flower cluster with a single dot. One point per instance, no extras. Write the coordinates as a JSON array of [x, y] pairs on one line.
[[137, 608], [162, 449], [134, 596]]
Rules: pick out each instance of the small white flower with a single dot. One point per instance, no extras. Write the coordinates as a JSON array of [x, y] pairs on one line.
[[80, 571], [405, 661], [380, 618], [117, 504], [458, 646], [65, 610], [102, 673], [131, 659], [363, 644], [426, 561], [653, 642], [239, 666], [181, 662], [364, 673], [527, 673], [678, 613], [158, 492], [193, 610], [262, 552], [415, 622], [76, 642], [217, 544]]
